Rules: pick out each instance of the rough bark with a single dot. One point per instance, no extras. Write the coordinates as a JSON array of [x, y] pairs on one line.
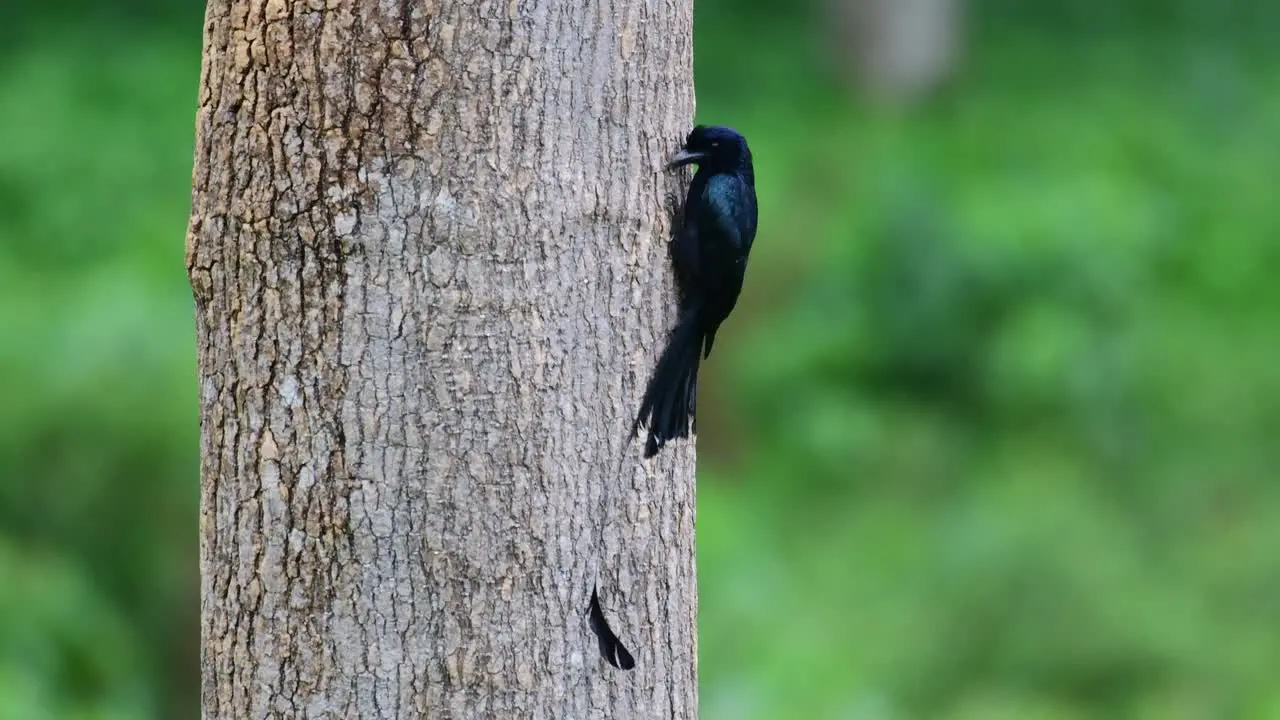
[[427, 248]]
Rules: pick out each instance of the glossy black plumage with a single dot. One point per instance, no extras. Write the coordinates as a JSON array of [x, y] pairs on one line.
[[611, 648], [709, 253]]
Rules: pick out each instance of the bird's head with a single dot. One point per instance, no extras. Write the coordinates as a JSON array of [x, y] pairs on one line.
[[714, 147]]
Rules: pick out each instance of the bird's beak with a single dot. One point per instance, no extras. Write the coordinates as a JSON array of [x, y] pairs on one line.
[[684, 157]]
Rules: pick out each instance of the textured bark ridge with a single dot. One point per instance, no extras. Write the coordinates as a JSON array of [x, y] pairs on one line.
[[427, 248]]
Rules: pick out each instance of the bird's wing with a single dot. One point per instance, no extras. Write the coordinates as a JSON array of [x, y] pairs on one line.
[[726, 215]]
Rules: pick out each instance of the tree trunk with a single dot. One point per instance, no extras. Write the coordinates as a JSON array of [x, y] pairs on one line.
[[901, 51], [428, 252]]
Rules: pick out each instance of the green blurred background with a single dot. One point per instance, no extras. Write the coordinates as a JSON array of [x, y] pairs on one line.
[[992, 434]]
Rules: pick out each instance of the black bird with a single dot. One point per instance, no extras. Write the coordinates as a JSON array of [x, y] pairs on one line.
[[709, 254]]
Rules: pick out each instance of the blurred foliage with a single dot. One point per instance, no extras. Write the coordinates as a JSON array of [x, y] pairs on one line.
[[996, 431], [98, 432], [991, 436]]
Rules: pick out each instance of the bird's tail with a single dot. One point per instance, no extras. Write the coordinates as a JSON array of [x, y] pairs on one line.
[[670, 398]]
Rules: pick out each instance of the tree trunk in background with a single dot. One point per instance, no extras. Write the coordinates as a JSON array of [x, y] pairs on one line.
[[900, 50], [428, 252]]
